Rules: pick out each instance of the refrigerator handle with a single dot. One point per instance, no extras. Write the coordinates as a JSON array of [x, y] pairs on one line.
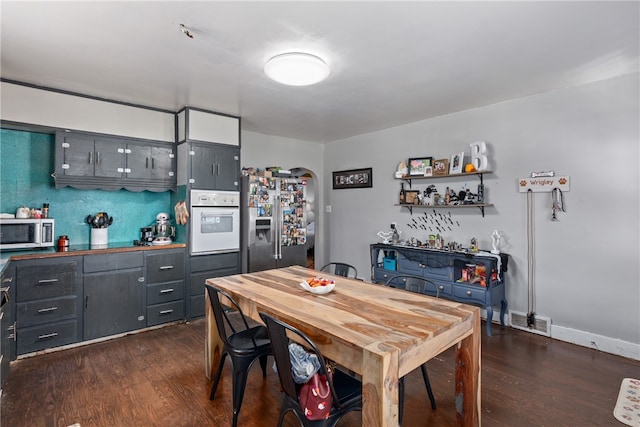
[[278, 225]]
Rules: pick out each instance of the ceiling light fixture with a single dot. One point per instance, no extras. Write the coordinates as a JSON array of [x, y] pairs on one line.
[[296, 69]]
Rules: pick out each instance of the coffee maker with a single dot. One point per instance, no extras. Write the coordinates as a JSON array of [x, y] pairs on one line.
[[163, 231]]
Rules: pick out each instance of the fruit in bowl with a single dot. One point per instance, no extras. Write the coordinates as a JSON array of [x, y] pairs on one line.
[[318, 285]]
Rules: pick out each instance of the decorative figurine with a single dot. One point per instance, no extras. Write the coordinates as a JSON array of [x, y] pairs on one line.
[[474, 245], [495, 242]]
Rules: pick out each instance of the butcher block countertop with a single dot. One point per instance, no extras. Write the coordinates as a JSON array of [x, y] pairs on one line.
[[75, 250]]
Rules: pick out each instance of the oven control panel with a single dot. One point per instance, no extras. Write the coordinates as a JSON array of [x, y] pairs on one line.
[[215, 198]]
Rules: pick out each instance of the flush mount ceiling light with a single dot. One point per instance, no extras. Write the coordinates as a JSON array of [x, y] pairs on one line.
[[296, 69]]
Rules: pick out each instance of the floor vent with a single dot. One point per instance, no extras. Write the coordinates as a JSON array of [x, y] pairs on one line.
[[541, 326]]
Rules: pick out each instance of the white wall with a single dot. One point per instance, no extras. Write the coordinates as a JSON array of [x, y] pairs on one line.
[[260, 150], [587, 264]]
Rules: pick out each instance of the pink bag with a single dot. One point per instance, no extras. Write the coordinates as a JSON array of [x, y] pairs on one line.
[[315, 398]]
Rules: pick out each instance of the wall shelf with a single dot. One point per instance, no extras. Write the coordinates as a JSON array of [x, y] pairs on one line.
[[409, 179]]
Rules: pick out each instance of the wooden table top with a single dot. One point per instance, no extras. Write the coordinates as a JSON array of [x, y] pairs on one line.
[[358, 314]]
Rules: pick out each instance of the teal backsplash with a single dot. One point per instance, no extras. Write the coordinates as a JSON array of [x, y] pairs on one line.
[[26, 165]]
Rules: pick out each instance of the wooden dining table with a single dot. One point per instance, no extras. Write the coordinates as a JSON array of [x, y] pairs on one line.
[[378, 332]]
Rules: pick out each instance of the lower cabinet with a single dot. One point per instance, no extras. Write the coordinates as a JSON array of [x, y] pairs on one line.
[[204, 267], [47, 303], [165, 286], [113, 294]]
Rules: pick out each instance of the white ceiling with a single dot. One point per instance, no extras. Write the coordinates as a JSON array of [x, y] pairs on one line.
[[392, 62]]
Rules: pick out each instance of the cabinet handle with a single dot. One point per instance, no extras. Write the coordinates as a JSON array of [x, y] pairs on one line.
[[47, 310], [166, 267], [469, 293], [218, 169], [90, 157], [146, 163], [45, 281], [166, 291], [97, 157], [153, 163], [441, 287], [45, 336], [421, 265], [163, 312]]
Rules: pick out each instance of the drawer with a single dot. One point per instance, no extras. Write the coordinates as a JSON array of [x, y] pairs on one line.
[[163, 313], [407, 266], [164, 292], [197, 306], [46, 336], [46, 281], [381, 275], [46, 311], [444, 289], [469, 293], [108, 262], [197, 280], [226, 262], [165, 266]]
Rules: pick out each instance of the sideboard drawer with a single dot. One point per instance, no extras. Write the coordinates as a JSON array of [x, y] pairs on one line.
[[468, 293]]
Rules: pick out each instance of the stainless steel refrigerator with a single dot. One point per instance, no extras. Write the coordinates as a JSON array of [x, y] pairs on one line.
[[274, 232]]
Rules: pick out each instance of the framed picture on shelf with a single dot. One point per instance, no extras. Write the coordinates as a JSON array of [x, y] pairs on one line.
[[417, 166], [441, 167], [455, 166], [428, 171]]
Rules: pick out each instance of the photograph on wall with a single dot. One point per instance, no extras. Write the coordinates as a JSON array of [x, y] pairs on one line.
[[354, 178]]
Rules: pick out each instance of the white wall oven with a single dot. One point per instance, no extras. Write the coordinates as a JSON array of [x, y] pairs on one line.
[[215, 222]]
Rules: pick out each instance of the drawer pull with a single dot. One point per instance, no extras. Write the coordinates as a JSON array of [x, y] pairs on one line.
[[469, 293], [45, 281], [166, 267], [47, 310], [166, 291], [45, 336], [163, 312], [441, 287]]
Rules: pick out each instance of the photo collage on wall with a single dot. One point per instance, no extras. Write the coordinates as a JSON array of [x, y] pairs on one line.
[[292, 201]]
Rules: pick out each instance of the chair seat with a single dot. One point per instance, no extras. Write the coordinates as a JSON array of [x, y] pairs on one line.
[[241, 341], [347, 387]]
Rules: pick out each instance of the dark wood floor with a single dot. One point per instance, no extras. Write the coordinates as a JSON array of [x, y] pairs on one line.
[[156, 378]]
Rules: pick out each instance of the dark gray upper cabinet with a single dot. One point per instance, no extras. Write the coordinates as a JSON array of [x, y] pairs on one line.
[[88, 161], [214, 167]]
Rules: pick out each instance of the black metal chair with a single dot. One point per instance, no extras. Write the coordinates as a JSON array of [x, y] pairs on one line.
[[419, 285], [346, 390], [341, 269], [243, 345]]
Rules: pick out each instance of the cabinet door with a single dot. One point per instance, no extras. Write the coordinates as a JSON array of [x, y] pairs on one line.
[[138, 161], [78, 156], [113, 303], [203, 167], [227, 169], [163, 163], [109, 159]]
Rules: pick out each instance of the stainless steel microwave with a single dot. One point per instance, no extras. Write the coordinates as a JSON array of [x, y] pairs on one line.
[[20, 234]]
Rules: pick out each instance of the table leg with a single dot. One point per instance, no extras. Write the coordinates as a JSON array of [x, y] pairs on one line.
[[212, 343], [380, 386], [467, 389]]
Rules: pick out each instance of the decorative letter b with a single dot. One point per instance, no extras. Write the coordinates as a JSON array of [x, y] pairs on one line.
[[478, 155]]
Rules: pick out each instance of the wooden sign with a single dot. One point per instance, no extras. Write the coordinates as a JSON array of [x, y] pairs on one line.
[[544, 184]]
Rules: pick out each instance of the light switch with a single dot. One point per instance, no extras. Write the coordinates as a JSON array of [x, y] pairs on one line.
[[327, 208]]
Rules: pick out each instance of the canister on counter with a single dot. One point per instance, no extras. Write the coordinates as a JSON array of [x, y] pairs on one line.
[[63, 243]]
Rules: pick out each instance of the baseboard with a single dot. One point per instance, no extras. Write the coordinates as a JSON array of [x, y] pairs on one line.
[[597, 342]]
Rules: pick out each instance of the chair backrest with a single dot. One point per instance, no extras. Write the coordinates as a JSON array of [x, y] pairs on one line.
[[340, 269], [414, 283], [280, 343], [222, 315]]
